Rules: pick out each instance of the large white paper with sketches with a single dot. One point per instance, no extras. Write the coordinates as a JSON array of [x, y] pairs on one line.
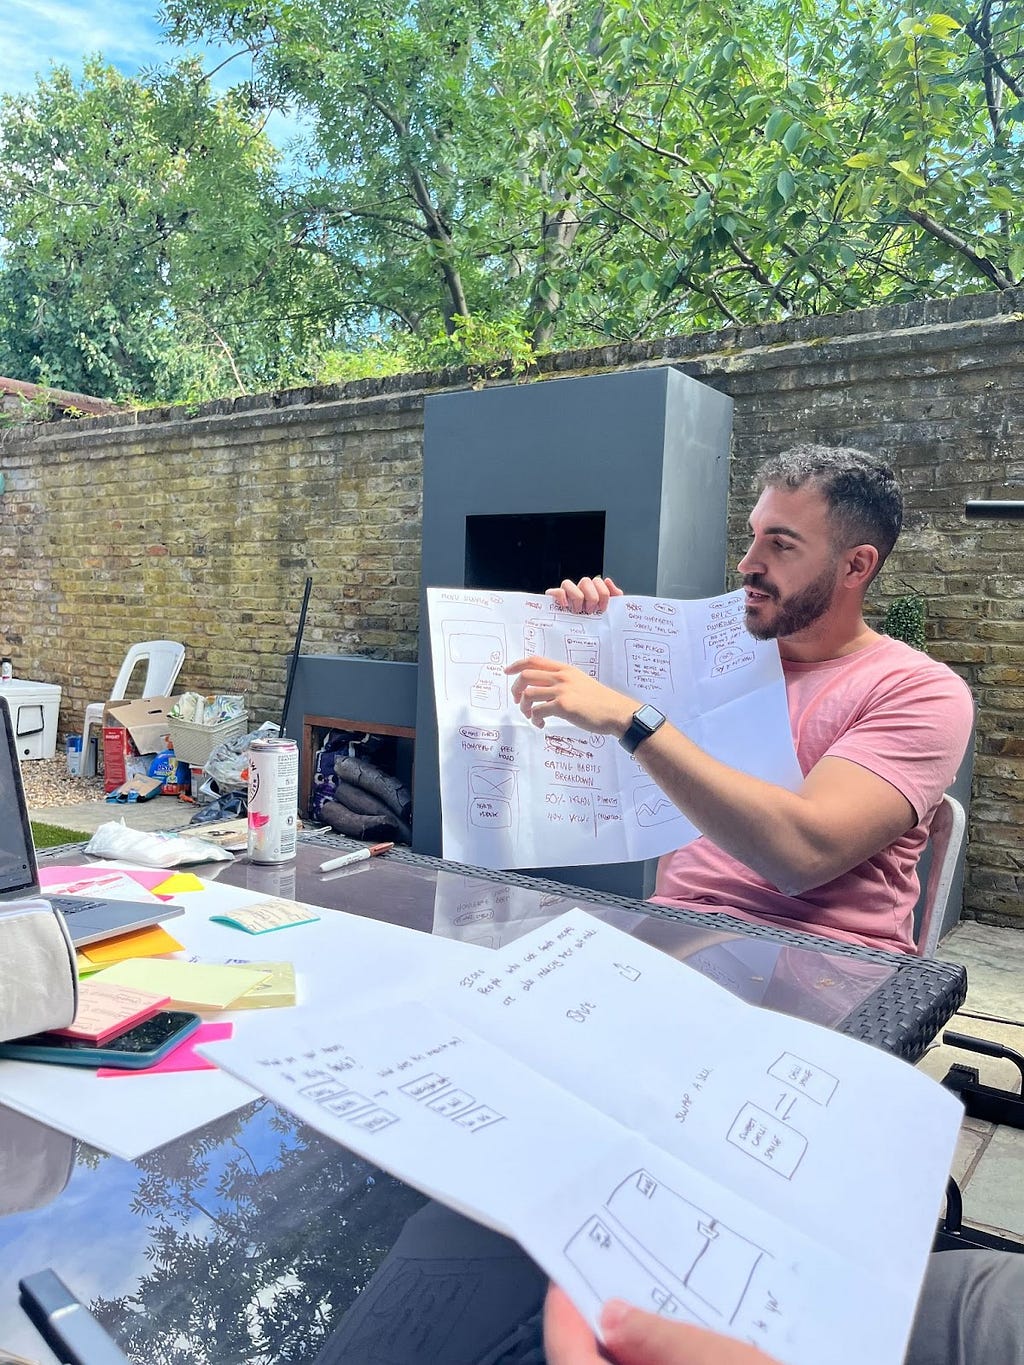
[[643, 1134], [340, 957], [513, 795]]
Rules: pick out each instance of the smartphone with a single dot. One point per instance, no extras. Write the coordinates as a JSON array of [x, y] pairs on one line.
[[138, 1047]]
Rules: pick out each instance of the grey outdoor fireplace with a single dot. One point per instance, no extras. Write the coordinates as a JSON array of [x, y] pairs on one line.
[[625, 474]]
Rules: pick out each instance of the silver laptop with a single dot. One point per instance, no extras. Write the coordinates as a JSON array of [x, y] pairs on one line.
[[89, 919]]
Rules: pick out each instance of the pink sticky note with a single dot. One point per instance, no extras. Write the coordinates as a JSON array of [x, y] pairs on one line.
[[183, 1058], [145, 877]]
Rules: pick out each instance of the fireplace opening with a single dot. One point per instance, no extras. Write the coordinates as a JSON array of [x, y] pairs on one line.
[[531, 552]]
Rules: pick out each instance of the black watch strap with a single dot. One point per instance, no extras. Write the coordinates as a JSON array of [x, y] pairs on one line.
[[641, 727]]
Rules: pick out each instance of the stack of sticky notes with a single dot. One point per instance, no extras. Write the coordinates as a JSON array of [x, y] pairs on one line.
[[275, 992], [188, 985], [106, 1009], [149, 942], [264, 916]]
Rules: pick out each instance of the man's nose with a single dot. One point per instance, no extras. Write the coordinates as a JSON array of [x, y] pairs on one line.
[[750, 563]]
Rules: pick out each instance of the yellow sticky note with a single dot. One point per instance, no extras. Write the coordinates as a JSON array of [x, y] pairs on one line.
[[178, 881], [277, 991], [139, 943], [190, 985]]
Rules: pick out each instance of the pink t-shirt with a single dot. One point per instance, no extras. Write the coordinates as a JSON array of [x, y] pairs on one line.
[[895, 712]]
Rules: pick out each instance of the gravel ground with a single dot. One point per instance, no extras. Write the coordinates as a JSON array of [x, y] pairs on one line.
[[48, 783]]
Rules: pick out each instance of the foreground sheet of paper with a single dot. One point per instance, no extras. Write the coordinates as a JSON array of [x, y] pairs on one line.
[[643, 1134], [516, 796]]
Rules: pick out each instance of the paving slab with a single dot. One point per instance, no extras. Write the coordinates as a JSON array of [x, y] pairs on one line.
[[161, 813], [994, 957], [993, 1193]]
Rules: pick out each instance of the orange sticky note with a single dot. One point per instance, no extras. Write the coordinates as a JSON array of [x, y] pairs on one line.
[[151, 942]]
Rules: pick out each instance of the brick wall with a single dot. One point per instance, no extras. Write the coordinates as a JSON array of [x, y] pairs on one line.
[[202, 525]]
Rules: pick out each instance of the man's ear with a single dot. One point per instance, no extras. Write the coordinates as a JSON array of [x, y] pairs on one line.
[[861, 565]]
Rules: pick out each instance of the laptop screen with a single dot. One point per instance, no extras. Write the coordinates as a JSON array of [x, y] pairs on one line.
[[17, 856]]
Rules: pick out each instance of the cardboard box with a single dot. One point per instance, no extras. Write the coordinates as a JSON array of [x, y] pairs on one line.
[[131, 728], [145, 721], [136, 789]]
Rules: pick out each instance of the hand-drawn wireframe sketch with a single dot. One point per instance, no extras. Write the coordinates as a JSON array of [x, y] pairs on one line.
[[727, 653], [727, 646], [678, 656], [565, 745], [447, 1100], [630, 973], [806, 1078], [648, 665], [475, 654], [665, 1253], [479, 739], [584, 653], [492, 797], [768, 1140], [651, 805], [344, 1103]]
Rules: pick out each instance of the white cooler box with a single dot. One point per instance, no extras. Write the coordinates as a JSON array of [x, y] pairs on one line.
[[35, 707]]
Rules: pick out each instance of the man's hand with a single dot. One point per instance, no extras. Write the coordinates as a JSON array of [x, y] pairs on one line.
[[544, 688], [633, 1337], [588, 597]]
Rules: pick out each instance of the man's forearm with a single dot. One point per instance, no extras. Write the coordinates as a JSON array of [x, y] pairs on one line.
[[795, 840], [767, 828]]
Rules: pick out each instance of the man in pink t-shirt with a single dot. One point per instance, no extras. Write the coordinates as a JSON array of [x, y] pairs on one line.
[[880, 728]]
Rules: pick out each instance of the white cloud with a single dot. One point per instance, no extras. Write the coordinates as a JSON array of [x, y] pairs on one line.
[[36, 33]]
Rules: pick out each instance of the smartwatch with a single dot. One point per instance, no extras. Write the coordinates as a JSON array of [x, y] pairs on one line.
[[641, 727]]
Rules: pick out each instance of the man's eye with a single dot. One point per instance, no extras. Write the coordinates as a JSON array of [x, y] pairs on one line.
[[782, 545]]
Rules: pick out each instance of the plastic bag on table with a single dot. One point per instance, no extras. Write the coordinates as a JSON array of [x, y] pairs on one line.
[[115, 840], [227, 768]]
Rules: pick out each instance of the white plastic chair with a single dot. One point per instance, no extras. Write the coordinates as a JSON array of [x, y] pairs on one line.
[[946, 839], [163, 659]]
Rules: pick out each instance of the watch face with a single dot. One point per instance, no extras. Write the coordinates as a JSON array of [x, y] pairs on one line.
[[649, 716]]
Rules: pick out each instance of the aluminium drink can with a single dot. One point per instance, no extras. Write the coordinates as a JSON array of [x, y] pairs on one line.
[[273, 799]]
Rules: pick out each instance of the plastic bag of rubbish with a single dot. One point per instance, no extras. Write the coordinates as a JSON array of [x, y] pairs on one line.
[[115, 840], [230, 806], [227, 768]]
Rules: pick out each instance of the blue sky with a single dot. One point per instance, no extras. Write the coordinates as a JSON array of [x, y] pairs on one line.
[[34, 34]]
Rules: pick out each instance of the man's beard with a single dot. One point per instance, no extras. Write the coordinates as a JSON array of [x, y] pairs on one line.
[[794, 613]]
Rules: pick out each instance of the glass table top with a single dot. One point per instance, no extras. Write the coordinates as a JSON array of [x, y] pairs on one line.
[[812, 983], [254, 1240]]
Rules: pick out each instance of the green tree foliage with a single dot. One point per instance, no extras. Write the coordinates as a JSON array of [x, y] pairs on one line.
[[144, 251], [502, 173], [404, 111], [761, 160]]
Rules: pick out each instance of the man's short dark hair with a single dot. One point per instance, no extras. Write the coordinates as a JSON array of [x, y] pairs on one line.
[[862, 492]]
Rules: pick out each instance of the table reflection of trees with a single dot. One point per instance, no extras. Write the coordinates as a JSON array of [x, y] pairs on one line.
[[261, 1233]]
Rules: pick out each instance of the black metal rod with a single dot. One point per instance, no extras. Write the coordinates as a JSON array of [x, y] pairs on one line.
[[295, 655], [1005, 510]]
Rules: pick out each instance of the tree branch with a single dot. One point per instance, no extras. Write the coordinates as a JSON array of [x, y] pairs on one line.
[[951, 239]]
